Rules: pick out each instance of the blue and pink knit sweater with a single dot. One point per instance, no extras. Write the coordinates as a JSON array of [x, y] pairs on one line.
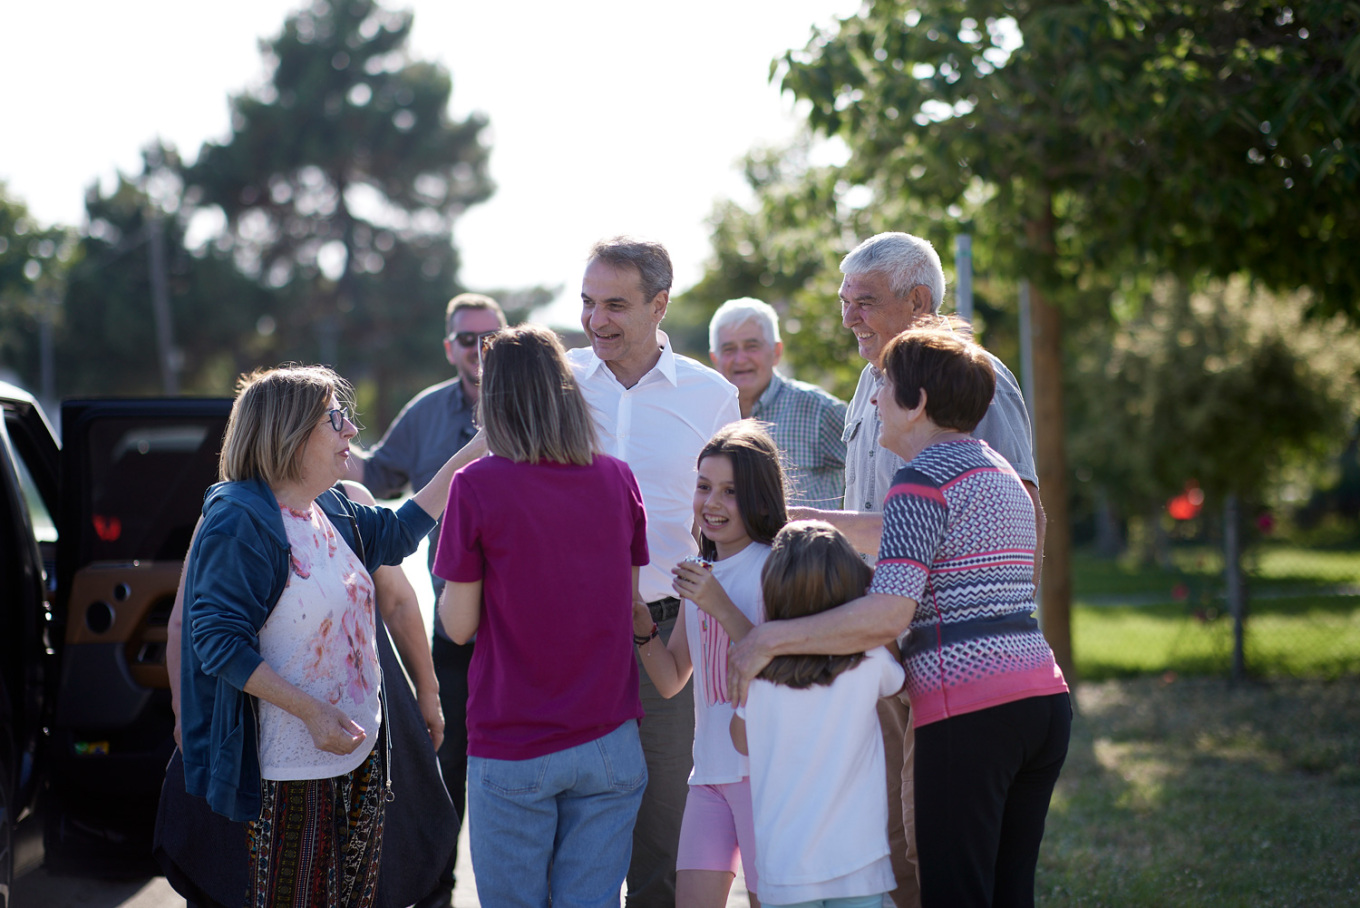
[[959, 539]]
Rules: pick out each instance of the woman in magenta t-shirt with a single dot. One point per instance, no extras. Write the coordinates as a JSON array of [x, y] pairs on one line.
[[540, 548]]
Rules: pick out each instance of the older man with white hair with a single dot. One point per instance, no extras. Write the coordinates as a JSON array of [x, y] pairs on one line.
[[894, 281], [805, 422]]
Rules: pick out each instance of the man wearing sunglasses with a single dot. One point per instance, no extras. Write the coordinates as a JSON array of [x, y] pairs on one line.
[[431, 428]]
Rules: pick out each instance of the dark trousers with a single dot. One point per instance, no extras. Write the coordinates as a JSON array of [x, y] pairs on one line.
[[451, 663], [983, 784], [667, 732]]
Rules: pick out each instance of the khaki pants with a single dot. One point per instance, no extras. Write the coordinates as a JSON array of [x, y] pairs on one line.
[[899, 739]]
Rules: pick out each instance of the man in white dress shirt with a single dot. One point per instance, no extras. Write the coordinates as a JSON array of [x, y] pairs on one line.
[[654, 410]]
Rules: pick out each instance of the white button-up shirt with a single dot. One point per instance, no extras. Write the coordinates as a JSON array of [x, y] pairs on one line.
[[658, 427]]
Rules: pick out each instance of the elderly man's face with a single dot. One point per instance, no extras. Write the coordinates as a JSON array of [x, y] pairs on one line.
[[745, 357], [875, 314]]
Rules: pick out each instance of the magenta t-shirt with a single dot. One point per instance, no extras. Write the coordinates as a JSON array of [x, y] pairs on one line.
[[554, 546]]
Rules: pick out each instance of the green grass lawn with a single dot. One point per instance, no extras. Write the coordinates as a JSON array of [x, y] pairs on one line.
[[1198, 792], [1184, 789], [1303, 616]]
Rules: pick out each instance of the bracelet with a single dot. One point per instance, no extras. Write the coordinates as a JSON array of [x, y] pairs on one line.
[[644, 639]]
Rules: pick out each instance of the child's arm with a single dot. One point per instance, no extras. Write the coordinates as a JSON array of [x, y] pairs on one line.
[[737, 729], [697, 584], [668, 666]]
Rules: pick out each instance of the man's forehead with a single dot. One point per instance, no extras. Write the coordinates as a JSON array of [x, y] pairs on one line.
[[607, 281], [868, 283], [741, 332], [475, 320]]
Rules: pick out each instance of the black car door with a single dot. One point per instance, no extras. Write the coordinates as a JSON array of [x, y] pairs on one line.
[[28, 501], [133, 474]]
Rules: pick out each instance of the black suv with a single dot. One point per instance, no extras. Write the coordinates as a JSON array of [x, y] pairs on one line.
[[92, 535]]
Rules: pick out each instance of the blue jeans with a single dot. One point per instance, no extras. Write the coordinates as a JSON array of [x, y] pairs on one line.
[[558, 826]]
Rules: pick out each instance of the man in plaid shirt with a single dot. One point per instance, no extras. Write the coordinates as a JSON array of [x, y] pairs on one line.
[[805, 422]]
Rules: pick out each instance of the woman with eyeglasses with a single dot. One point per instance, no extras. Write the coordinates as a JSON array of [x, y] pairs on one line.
[[281, 704], [540, 549]]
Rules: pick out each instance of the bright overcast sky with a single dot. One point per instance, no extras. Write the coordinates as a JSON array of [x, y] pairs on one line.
[[607, 116]]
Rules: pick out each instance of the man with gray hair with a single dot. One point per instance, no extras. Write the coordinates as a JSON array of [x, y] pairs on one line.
[[805, 422], [894, 281], [655, 410]]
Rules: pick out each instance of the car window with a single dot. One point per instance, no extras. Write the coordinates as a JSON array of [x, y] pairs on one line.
[[145, 483], [44, 527]]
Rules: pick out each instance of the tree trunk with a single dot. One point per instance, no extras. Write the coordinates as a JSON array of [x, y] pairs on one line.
[[1050, 449], [1051, 454], [1232, 570]]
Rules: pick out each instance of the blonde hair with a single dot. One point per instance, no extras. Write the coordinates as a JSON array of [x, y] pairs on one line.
[[530, 405], [274, 414]]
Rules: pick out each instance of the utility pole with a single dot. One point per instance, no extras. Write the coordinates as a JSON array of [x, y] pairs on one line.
[[963, 276], [170, 358]]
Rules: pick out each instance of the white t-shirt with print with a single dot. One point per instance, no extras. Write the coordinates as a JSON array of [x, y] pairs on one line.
[[321, 639]]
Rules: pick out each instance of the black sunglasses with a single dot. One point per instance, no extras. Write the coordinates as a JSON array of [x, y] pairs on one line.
[[468, 338], [338, 417]]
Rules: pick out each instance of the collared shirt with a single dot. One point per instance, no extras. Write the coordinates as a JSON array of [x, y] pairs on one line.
[[430, 429], [806, 424], [426, 433], [869, 469], [658, 427]]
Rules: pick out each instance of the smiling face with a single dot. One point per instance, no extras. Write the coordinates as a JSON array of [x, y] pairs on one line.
[[620, 321], [325, 456], [464, 357], [715, 506], [746, 358], [871, 310]]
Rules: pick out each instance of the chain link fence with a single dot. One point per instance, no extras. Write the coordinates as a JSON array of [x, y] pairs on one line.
[[1290, 610]]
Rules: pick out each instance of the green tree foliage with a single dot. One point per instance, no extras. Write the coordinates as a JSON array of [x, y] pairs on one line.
[[1207, 135], [108, 341], [785, 251], [340, 184], [33, 262], [1219, 383]]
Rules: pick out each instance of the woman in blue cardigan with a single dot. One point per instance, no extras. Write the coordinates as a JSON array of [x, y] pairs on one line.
[[280, 690]]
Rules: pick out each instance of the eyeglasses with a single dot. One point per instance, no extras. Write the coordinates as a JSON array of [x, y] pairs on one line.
[[338, 417], [468, 338]]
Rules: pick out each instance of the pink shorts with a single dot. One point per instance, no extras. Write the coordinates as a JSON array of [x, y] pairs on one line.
[[718, 830]]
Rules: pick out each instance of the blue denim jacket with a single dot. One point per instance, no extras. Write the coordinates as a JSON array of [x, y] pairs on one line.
[[236, 571]]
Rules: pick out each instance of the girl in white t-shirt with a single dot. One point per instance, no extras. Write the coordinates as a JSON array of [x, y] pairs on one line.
[[811, 729], [738, 507]]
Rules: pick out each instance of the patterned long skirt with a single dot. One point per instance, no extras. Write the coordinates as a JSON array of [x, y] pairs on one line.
[[317, 841]]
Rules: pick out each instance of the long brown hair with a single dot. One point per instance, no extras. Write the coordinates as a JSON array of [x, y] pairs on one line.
[[812, 568], [757, 476], [530, 404]]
